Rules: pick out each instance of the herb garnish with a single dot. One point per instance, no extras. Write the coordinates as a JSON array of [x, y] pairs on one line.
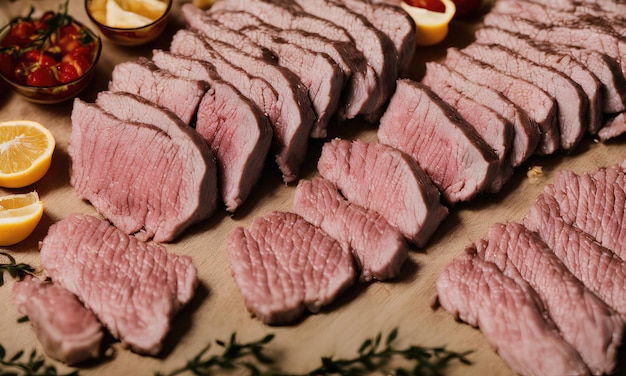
[[34, 365], [371, 357], [15, 270]]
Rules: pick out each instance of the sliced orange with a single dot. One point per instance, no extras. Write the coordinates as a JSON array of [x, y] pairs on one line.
[[25, 152], [431, 26], [19, 215]]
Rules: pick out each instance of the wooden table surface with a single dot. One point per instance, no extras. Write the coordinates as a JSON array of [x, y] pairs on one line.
[[218, 309]]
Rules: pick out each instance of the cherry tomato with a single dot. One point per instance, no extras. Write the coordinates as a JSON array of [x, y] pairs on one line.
[[41, 76], [431, 5], [79, 61], [20, 34], [33, 57], [67, 72]]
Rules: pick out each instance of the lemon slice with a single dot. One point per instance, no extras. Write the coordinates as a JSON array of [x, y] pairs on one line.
[[431, 27], [25, 152], [19, 215]]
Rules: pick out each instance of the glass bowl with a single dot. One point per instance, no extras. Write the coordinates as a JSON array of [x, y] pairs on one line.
[[130, 36]]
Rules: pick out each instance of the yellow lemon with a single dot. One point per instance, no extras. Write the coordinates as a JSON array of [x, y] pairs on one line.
[[19, 215], [25, 152], [431, 26]]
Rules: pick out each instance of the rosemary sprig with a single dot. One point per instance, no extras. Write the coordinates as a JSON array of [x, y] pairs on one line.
[[15, 270], [33, 365]]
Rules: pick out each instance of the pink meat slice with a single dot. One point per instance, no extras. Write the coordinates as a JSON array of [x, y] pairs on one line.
[[134, 288], [384, 179], [67, 331], [283, 266], [379, 248]]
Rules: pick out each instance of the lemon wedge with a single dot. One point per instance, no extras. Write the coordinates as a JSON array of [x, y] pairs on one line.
[[19, 215], [116, 16], [151, 9], [25, 152], [431, 27]]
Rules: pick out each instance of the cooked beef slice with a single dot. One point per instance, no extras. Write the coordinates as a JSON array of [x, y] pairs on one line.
[[290, 123], [283, 265], [153, 180], [493, 128], [509, 314], [285, 15], [615, 126], [387, 181], [67, 331], [544, 54], [88, 256], [609, 8], [587, 35], [235, 129], [322, 78], [455, 157], [595, 203], [602, 271], [585, 321], [539, 105], [573, 105], [526, 131], [395, 22], [378, 248], [145, 79], [377, 48]]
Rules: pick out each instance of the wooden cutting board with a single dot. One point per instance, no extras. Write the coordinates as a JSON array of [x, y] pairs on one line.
[[218, 309]]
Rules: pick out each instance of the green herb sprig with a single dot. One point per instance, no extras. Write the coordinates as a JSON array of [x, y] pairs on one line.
[[15, 270], [33, 365]]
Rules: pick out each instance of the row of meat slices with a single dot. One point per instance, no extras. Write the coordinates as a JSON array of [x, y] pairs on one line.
[[548, 294]]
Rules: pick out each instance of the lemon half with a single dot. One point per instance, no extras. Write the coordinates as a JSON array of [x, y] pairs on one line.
[[19, 215], [431, 27]]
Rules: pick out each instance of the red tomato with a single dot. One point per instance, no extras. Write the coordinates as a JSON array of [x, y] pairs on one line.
[[466, 7], [40, 24], [68, 43], [20, 34], [32, 57], [432, 5], [67, 72], [41, 76], [78, 60]]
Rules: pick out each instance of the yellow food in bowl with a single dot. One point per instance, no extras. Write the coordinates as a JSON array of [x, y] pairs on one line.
[[127, 14]]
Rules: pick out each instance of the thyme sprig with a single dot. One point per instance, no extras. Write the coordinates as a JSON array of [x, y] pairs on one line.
[[15, 270], [33, 365], [372, 356]]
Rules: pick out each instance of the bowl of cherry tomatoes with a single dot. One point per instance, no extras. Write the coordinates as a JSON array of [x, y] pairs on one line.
[[48, 59]]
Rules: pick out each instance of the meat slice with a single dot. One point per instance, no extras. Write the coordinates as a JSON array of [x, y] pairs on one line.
[[283, 265], [88, 256], [592, 327], [383, 179], [609, 8], [490, 126], [321, 77], [143, 78], [597, 267], [544, 54], [291, 123], [595, 203], [526, 131], [510, 315], [235, 129], [67, 331], [153, 179], [615, 126], [395, 22], [450, 151], [286, 16], [378, 248]]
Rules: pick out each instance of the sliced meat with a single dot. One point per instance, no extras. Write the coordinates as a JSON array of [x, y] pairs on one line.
[[235, 129], [592, 327], [597, 267], [615, 126], [283, 265], [538, 104], [609, 8], [364, 173], [510, 315], [544, 54], [88, 256], [378, 248], [291, 124], [395, 22], [286, 16], [153, 179], [450, 151], [595, 203], [526, 131], [143, 78], [490, 126], [377, 48], [67, 331]]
